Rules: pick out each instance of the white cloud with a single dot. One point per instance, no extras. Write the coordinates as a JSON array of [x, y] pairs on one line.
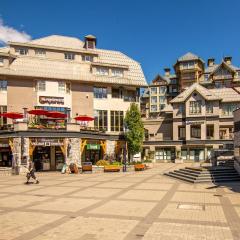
[[10, 34]]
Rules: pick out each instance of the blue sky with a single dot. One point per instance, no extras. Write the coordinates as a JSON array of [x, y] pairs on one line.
[[153, 32]]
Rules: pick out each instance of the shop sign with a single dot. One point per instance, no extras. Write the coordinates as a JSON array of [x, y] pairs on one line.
[[47, 142], [93, 147], [194, 123], [51, 100]]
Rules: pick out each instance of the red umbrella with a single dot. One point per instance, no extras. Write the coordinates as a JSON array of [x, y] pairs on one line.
[[56, 115], [38, 112], [12, 115], [84, 118]]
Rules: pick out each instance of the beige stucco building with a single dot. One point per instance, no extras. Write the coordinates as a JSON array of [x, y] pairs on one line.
[[65, 74], [187, 123]]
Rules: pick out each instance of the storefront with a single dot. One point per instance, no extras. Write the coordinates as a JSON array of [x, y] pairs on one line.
[[5, 154], [165, 154], [193, 154], [93, 153], [47, 153]]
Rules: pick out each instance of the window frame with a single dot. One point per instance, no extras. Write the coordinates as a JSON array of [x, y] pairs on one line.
[[69, 56], [117, 72], [39, 84], [100, 92], [195, 107], [40, 52], [21, 51], [102, 71], [3, 85], [62, 87], [116, 121]]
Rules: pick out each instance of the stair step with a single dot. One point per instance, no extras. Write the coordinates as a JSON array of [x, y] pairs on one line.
[[207, 174], [179, 177]]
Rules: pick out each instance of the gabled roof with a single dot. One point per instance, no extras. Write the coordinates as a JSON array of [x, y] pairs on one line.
[[231, 68], [59, 41], [188, 57], [204, 92], [227, 94], [162, 78]]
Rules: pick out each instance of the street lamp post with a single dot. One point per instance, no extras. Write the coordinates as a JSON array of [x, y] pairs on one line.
[[125, 130]]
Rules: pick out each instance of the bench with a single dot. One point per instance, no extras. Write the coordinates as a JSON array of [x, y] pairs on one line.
[[139, 167], [112, 168]]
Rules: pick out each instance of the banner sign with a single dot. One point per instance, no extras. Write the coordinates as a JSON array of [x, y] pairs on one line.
[[93, 147], [47, 142], [51, 100]]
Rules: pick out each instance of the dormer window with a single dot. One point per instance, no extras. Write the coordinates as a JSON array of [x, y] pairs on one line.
[[69, 56], [102, 71], [1, 61], [117, 72], [87, 58], [188, 65], [21, 51], [40, 52]]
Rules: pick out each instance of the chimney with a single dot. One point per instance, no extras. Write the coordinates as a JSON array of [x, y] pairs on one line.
[[90, 42], [167, 72], [210, 62], [228, 60]]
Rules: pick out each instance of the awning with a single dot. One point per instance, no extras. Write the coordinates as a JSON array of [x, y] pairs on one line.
[[84, 118], [56, 115], [38, 112], [12, 115]]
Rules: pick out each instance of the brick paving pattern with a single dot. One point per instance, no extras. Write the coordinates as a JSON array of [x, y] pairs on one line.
[[111, 206]]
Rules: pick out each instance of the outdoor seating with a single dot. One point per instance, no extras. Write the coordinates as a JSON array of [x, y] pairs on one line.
[[112, 168]]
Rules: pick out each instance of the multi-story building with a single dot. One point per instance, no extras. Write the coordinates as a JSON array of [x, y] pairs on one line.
[[199, 118], [65, 74]]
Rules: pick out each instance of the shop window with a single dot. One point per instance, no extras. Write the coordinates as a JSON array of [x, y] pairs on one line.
[[196, 131], [116, 121], [163, 154], [184, 154], [101, 120]]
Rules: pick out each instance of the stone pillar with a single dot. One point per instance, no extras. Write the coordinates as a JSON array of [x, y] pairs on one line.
[[216, 131], [16, 152], [110, 150], [73, 151]]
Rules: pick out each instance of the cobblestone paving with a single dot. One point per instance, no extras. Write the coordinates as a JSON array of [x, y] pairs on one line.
[[111, 206]]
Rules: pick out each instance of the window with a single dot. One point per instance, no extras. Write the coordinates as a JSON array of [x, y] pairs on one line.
[[187, 65], [206, 76], [195, 107], [130, 96], [69, 56], [174, 89], [102, 71], [3, 85], [228, 108], [100, 92], [40, 52], [209, 107], [181, 109], [153, 100], [153, 108], [196, 131], [162, 106], [153, 90], [210, 131], [90, 44], [116, 93], [41, 86], [21, 51], [101, 120], [181, 133], [117, 72], [57, 109], [162, 99], [173, 81], [116, 121], [3, 121], [219, 85], [61, 87], [162, 90], [1, 61], [68, 87], [87, 58]]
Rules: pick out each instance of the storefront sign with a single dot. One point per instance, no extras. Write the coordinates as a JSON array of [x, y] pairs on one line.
[[93, 147], [51, 100], [47, 142], [194, 123]]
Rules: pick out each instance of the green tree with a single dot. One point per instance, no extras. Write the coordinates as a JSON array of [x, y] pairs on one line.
[[134, 129]]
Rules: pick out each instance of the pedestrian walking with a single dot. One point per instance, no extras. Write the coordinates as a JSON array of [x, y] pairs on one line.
[[31, 173]]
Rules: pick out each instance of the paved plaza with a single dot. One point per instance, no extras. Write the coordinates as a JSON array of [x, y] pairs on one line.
[[111, 206]]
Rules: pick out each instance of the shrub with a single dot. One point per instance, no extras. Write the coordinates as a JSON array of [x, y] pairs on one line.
[[116, 163], [102, 163]]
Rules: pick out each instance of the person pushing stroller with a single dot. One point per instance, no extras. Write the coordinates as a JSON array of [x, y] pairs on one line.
[[31, 173]]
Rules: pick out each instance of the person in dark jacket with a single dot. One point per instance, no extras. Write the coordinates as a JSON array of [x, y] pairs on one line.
[[31, 173]]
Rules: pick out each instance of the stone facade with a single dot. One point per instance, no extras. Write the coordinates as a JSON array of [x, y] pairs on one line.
[[110, 150], [73, 151]]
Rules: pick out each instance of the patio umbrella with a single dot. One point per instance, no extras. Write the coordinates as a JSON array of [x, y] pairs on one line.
[[38, 112], [12, 115], [84, 118], [56, 115]]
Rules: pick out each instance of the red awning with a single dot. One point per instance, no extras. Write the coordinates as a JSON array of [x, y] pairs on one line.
[[38, 112], [55, 115], [12, 115], [84, 118]]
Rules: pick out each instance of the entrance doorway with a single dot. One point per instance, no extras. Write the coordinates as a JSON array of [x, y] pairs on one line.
[[93, 153], [5, 157]]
